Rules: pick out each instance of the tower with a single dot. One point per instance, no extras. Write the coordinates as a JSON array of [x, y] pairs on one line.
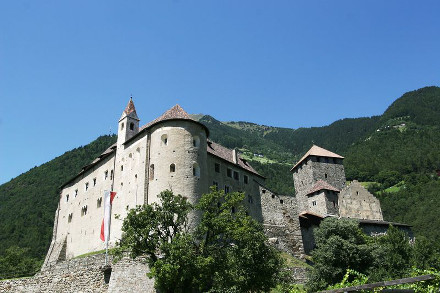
[[319, 177], [128, 124]]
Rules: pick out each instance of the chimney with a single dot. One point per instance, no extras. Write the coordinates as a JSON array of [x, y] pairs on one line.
[[235, 156]]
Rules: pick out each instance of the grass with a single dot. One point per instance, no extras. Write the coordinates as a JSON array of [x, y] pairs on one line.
[[91, 253], [293, 262]]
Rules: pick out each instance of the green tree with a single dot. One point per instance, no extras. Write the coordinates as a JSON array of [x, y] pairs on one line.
[[16, 262], [340, 245], [227, 251], [391, 255]]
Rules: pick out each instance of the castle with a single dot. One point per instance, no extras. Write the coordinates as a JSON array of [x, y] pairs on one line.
[[173, 152]]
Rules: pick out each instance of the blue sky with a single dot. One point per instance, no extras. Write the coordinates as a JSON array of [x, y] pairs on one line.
[[68, 68]]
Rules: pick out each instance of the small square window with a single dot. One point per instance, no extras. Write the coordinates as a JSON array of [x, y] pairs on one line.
[[229, 172], [217, 167], [314, 203], [99, 202]]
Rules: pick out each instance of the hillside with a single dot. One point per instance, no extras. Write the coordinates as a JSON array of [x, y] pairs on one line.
[[29, 201], [397, 150]]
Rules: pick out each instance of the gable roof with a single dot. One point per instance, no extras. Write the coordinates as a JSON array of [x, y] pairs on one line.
[[228, 155], [319, 152], [321, 185]]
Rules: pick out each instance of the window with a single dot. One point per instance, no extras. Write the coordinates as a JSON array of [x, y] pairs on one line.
[[334, 204], [281, 201], [227, 189], [131, 126], [94, 181], [325, 175], [151, 171], [215, 183], [105, 175], [245, 179], [229, 172], [196, 141], [122, 126], [87, 185], [111, 175], [84, 211], [122, 167], [76, 192], [67, 198], [196, 170], [172, 168], [236, 176], [357, 192], [99, 202], [314, 203], [217, 167], [69, 218], [164, 139]]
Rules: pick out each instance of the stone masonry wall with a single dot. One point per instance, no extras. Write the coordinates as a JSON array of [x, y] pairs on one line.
[[85, 275], [281, 223]]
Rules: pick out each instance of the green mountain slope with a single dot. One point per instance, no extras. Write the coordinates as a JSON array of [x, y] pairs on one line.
[[29, 201]]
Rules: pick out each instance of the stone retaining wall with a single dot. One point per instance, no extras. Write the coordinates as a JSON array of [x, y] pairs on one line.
[[86, 274]]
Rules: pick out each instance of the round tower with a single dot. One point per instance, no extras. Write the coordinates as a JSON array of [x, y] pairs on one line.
[[178, 156]]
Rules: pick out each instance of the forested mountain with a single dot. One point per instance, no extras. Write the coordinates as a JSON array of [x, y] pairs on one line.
[[398, 151], [28, 202]]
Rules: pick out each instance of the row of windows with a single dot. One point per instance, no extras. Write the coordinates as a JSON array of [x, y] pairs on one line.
[[195, 170], [85, 208], [231, 174], [131, 126], [165, 141], [87, 184]]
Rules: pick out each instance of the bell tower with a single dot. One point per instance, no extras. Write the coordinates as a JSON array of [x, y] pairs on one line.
[[128, 124]]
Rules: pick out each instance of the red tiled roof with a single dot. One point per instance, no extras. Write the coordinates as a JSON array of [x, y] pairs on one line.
[[175, 112], [130, 107], [321, 185], [319, 152], [228, 155]]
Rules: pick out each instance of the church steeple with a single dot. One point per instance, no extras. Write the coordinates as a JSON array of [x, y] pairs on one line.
[[130, 111], [128, 123]]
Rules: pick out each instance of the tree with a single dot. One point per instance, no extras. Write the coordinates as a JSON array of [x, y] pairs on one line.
[[391, 255], [340, 245], [16, 262], [227, 251]]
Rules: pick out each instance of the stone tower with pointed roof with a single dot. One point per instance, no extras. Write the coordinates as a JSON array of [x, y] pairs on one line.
[[318, 177], [128, 124]]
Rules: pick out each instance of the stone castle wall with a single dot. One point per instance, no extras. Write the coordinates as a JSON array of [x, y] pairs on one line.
[[85, 275], [281, 222], [356, 202]]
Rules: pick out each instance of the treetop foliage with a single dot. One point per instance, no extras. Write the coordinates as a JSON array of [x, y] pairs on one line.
[[227, 251]]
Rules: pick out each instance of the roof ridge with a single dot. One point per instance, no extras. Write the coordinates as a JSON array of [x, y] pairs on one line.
[[317, 151]]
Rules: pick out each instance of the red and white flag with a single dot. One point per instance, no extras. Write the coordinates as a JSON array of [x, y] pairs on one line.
[[105, 226]]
